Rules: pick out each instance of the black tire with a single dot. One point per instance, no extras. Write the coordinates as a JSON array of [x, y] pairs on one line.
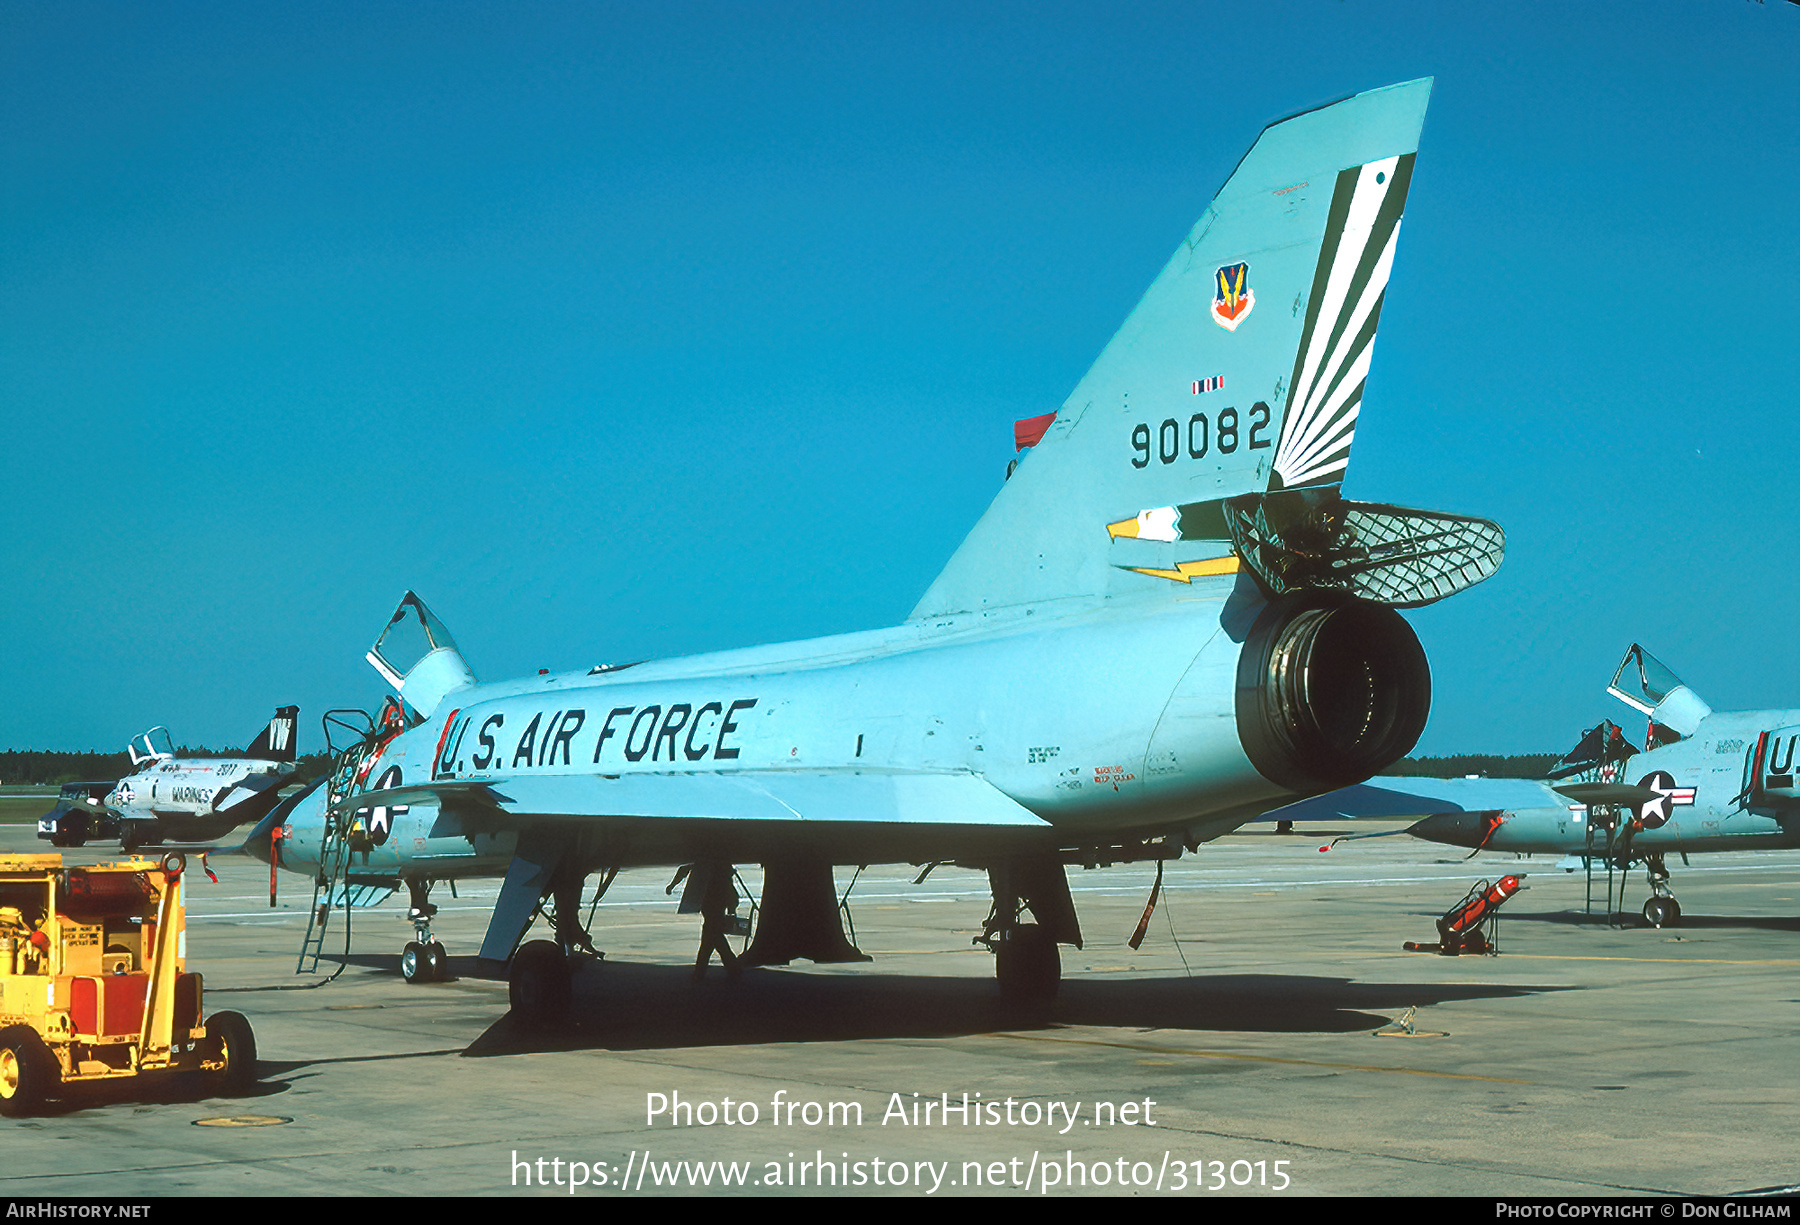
[[75, 831], [1662, 912], [28, 1071], [538, 985], [437, 961], [413, 966], [1028, 966], [229, 1037]]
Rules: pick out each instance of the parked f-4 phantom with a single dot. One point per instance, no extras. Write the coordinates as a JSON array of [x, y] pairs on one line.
[[197, 799], [1705, 781], [1168, 617]]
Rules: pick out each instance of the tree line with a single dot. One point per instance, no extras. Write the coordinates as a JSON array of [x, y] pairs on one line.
[[1487, 765]]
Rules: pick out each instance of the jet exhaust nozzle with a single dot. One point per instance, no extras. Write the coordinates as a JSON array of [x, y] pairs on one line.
[[1330, 690]]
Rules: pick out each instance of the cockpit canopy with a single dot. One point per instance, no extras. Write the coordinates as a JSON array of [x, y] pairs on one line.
[[1644, 683], [416, 655], [1597, 756], [153, 746]]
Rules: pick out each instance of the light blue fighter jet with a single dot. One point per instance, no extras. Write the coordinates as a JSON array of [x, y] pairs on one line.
[[1168, 619], [1704, 781]]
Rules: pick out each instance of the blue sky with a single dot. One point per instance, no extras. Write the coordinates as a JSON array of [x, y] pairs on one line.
[[621, 331]]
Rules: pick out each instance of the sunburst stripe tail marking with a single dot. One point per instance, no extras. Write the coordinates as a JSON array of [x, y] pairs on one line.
[[1332, 363]]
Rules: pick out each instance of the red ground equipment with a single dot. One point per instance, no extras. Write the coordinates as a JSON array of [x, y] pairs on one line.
[[1468, 926]]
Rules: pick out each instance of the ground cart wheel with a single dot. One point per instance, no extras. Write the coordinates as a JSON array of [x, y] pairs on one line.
[[229, 1038], [27, 1071]]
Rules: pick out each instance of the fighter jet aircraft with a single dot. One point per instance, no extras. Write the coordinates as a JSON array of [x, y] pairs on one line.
[[201, 798], [1169, 617], [1704, 781]]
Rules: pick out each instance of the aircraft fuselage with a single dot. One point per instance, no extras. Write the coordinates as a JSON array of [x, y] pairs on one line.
[[198, 800], [1087, 727], [1704, 782]]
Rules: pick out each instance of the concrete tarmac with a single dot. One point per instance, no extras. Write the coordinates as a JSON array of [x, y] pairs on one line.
[[1234, 1053]]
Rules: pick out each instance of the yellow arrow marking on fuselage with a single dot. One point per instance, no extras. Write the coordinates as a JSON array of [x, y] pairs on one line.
[[1188, 571]]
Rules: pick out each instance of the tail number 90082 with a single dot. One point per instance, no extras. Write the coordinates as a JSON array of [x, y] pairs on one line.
[[1173, 439]]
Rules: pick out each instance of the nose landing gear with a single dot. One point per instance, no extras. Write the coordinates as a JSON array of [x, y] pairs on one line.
[[423, 960], [1662, 910]]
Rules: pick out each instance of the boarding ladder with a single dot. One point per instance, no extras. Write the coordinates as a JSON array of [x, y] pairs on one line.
[[331, 886], [1600, 758]]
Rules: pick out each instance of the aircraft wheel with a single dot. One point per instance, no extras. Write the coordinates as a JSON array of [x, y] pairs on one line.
[[229, 1037], [437, 962], [538, 986], [1028, 965], [414, 967], [128, 840], [27, 1071], [1662, 912]]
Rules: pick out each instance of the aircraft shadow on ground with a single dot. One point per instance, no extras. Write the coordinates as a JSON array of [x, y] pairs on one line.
[[639, 1007]]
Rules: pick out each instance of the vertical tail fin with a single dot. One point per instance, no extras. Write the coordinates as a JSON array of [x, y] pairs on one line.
[[1241, 371], [276, 743]]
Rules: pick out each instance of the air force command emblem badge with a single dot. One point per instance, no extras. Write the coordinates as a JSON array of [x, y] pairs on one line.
[[1233, 299]]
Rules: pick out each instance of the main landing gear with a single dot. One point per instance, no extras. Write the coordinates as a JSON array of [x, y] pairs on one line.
[[1027, 963], [423, 960], [539, 979], [1662, 910], [538, 987]]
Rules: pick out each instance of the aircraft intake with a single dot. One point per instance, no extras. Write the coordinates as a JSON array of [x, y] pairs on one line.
[[1330, 690]]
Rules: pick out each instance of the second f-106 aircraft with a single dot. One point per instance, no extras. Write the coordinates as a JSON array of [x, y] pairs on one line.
[[1168, 619], [1704, 781]]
